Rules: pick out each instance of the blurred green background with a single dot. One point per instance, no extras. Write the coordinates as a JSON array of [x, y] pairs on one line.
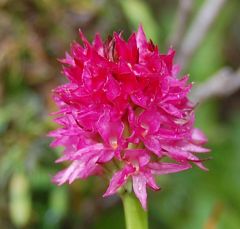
[[33, 34]]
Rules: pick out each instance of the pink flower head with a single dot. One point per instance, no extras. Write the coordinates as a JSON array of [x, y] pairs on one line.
[[122, 112]]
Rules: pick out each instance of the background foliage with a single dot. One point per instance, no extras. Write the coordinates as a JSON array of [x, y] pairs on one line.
[[33, 34]]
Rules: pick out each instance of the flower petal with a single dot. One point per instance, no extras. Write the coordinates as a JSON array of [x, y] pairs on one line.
[[166, 168], [139, 187], [198, 136], [109, 129], [118, 180]]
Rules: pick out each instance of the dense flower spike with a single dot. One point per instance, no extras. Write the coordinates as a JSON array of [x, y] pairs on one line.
[[122, 111]]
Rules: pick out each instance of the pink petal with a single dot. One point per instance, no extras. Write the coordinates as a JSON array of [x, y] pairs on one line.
[[183, 156], [198, 136], [93, 82], [84, 39], [151, 181], [87, 118], [142, 43], [153, 144], [64, 175], [98, 44], [67, 60], [150, 120], [118, 180], [127, 50], [168, 59], [112, 88], [110, 130], [106, 156], [194, 148], [137, 155], [171, 109], [90, 148], [139, 187], [166, 168]]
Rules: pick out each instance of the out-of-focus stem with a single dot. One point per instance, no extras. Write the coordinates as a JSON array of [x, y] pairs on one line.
[[198, 30], [182, 18]]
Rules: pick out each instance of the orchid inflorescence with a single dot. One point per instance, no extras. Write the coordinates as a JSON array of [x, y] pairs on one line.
[[124, 114]]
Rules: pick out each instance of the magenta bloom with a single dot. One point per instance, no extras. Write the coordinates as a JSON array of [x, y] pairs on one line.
[[122, 112]]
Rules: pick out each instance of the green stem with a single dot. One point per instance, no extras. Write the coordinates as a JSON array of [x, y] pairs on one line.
[[135, 215]]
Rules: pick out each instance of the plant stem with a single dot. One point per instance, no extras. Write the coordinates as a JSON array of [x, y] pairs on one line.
[[135, 215]]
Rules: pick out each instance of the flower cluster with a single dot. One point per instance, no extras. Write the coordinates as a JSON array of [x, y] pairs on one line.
[[124, 113]]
